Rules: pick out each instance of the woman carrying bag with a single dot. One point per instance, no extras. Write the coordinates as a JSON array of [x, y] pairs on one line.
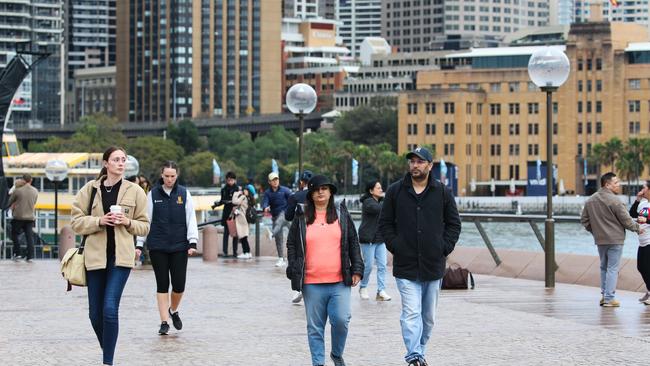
[[118, 212], [324, 262], [241, 201]]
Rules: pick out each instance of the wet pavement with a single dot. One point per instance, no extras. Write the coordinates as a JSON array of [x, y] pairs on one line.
[[240, 312]]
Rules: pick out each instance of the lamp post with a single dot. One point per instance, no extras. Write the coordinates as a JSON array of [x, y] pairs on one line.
[[132, 167], [301, 100], [56, 171], [549, 68]]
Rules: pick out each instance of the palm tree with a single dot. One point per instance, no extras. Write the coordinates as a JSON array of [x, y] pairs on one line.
[[606, 154], [629, 163]]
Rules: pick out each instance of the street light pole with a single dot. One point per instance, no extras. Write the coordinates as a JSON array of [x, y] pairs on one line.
[[549, 227], [301, 98], [56, 213], [301, 117]]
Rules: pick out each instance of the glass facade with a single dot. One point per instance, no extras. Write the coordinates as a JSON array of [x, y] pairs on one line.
[[638, 57], [500, 62]]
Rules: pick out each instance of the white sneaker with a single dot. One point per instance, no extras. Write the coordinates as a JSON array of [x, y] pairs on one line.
[[382, 296], [297, 297], [269, 233], [363, 292], [280, 262], [244, 256], [645, 297]]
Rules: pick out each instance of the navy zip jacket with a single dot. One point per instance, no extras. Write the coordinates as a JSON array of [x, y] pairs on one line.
[[294, 200], [277, 200], [420, 230], [168, 231]]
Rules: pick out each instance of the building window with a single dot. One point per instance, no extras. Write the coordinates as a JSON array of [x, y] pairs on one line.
[[533, 149], [513, 129], [412, 108], [589, 107], [599, 128], [599, 85], [555, 108], [495, 150], [495, 109], [513, 87], [634, 127], [533, 108], [514, 172], [588, 86], [634, 106], [468, 149], [495, 87], [449, 129], [513, 149], [450, 108], [412, 129], [430, 108], [588, 64], [599, 64], [588, 127], [495, 129], [513, 108], [468, 108], [495, 172], [579, 107], [533, 128], [479, 108], [555, 128], [579, 128], [579, 64], [555, 149], [579, 86], [468, 129], [580, 149]]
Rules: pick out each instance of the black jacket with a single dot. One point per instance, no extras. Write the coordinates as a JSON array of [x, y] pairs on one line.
[[351, 261], [368, 232], [226, 200], [292, 204], [420, 230]]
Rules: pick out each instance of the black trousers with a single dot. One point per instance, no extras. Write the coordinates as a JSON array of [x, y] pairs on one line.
[[26, 226], [643, 264], [226, 236], [166, 265]]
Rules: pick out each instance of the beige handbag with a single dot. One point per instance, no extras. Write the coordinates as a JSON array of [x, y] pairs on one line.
[[73, 267]]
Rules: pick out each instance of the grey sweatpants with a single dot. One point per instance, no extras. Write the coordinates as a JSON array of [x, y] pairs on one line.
[[279, 223]]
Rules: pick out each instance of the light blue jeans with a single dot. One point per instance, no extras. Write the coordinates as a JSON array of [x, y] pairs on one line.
[[374, 253], [322, 301], [419, 303], [610, 259]]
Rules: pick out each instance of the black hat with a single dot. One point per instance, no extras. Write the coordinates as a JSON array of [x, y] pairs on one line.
[[318, 181], [306, 175], [421, 153]]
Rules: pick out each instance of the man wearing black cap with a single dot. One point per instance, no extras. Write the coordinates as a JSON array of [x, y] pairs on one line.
[[420, 240]]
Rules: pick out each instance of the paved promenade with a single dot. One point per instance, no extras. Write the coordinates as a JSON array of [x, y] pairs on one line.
[[239, 313]]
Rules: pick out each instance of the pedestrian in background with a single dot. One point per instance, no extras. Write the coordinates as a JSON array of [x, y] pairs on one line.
[[22, 201], [420, 223], [324, 261], [275, 202], [606, 218], [640, 210], [109, 253], [241, 201], [144, 183], [172, 238], [226, 200], [372, 244], [298, 198]]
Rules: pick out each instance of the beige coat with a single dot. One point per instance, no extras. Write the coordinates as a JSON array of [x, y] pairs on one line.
[[23, 200], [134, 204], [240, 204]]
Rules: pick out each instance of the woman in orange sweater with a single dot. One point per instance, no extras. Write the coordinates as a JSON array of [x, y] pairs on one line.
[[324, 262]]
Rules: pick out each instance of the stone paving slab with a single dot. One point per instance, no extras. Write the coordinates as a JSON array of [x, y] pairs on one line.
[[240, 313]]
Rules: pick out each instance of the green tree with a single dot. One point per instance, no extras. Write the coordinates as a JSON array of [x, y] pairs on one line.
[[95, 134], [607, 153], [368, 125], [220, 140], [629, 162], [152, 152], [196, 169], [279, 144], [185, 134]]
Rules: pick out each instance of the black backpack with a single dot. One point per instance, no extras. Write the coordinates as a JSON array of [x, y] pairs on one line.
[[251, 213]]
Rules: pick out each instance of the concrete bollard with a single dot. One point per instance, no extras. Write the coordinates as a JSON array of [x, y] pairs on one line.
[[66, 240], [210, 244]]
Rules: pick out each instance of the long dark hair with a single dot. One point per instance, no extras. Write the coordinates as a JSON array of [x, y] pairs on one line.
[[369, 187], [310, 209], [107, 154]]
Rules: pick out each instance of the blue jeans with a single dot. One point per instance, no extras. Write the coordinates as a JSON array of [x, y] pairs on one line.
[[419, 302], [105, 288], [610, 259], [374, 252], [322, 301]]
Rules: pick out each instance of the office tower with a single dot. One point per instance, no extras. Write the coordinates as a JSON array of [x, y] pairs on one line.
[[189, 59], [358, 19]]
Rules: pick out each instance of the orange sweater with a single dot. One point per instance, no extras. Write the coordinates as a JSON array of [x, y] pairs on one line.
[[323, 252]]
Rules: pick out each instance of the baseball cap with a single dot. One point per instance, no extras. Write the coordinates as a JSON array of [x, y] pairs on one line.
[[273, 175], [421, 153], [306, 175]]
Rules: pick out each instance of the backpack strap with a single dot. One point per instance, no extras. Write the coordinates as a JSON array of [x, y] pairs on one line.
[[90, 207]]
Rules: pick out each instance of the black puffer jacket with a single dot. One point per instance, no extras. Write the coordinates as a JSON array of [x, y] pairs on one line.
[[370, 210], [351, 261]]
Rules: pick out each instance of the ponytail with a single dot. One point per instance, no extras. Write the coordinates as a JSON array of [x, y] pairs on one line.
[[102, 172]]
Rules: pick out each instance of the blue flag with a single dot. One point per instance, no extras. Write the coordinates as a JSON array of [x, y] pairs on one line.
[[585, 171], [274, 167], [355, 172], [216, 172], [539, 170], [443, 172]]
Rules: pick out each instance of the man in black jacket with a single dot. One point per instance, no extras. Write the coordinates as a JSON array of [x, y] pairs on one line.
[[420, 225], [226, 200], [298, 197]]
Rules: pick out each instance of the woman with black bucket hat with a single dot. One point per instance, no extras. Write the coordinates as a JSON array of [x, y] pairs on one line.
[[324, 262]]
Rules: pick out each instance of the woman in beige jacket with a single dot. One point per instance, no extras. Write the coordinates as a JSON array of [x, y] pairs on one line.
[[119, 212], [241, 200]]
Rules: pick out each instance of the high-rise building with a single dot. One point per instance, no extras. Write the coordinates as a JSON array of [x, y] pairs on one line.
[[420, 25], [358, 19], [302, 9], [562, 12], [488, 118], [181, 59], [327, 9], [637, 11], [40, 23]]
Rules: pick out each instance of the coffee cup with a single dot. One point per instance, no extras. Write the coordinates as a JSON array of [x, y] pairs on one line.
[[115, 209]]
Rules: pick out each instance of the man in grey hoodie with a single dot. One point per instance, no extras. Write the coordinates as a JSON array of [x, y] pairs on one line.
[[606, 218]]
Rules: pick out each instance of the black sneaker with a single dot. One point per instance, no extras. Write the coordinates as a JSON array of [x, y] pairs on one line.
[[176, 319], [423, 362], [338, 360], [415, 362], [164, 328]]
